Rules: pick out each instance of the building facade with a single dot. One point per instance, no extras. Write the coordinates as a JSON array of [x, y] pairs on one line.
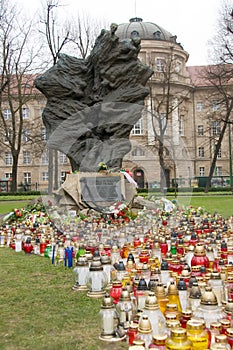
[[178, 128]]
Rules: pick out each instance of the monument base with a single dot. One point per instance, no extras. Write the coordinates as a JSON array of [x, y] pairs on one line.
[[96, 191]]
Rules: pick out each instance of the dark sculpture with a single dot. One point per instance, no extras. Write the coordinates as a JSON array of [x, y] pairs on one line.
[[93, 103]]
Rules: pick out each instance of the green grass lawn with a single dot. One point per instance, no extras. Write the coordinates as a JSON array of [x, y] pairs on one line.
[[223, 204], [40, 311], [220, 203], [6, 207]]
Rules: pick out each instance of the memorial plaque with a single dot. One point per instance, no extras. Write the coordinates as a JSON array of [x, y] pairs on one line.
[[101, 189]]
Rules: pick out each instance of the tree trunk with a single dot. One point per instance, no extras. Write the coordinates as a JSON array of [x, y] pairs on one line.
[[217, 148], [163, 183], [14, 169]]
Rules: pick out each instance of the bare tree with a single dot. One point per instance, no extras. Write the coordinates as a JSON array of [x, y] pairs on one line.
[[57, 35], [84, 31], [75, 35], [166, 95], [16, 82], [219, 76]]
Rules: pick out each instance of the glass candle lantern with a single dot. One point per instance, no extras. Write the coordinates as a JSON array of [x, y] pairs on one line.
[[197, 335], [225, 323], [229, 334], [215, 329], [2, 238], [109, 321], [132, 332], [154, 314], [165, 273], [183, 293], [158, 342], [81, 251], [171, 324], [161, 297], [178, 340], [18, 240], [163, 247], [125, 308], [28, 247], [96, 279], [156, 252], [185, 317], [145, 330], [115, 291], [173, 295], [141, 293], [115, 255], [200, 258], [80, 274], [228, 310], [172, 309], [121, 270], [216, 283], [222, 339], [8, 237], [107, 266], [209, 309], [194, 297]]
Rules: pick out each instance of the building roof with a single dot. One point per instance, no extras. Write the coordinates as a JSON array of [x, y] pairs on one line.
[[145, 30], [197, 75]]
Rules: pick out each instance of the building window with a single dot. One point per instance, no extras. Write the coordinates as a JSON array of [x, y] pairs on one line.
[[8, 175], [25, 113], [63, 176], [26, 157], [160, 64], [218, 171], [201, 152], [216, 106], [63, 158], [7, 114], [44, 158], [26, 135], [157, 34], [219, 155], [163, 121], [202, 171], [8, 158], [134, 34], [216, 127], [199, 106], [200, 130], [178, 67], [43, 134], [138, 151], [181, 125], [27, 178], [45, 176], [8, 135], [137, 128]]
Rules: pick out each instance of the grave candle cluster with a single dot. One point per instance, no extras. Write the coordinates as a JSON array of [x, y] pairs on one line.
[[163, 278]]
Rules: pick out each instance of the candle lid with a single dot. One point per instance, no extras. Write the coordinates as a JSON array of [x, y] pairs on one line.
[[144, 325], [194, 324], [151, 302], [107, 302], [208, 297]]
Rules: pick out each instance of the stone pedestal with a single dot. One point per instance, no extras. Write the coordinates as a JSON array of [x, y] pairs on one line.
[[97, 191]]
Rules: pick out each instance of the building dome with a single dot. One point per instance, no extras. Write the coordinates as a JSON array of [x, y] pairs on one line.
[[145, 30]]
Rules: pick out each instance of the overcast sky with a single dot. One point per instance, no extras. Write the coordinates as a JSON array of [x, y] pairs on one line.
[[192, 21]]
